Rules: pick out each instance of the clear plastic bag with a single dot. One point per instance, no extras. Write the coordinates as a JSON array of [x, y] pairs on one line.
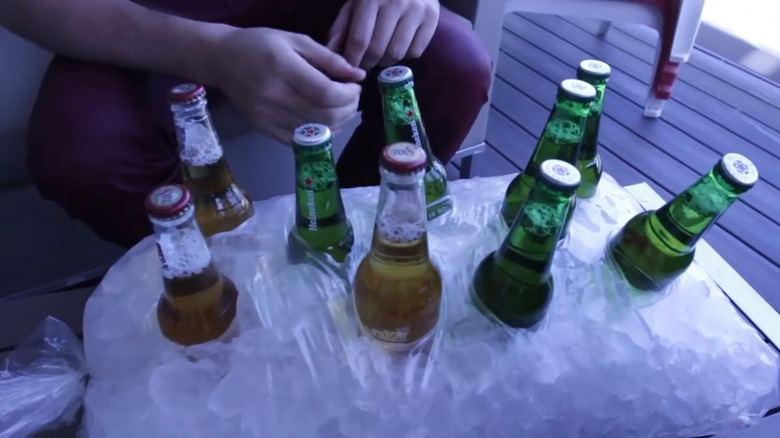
[[42, 381]]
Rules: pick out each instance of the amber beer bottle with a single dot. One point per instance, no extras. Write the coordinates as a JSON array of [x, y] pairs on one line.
[[220, 204], [589, 163], [655, 247], [403, 123], [321, 222], [514, 285], [560, 140], [198, 303], [397, 290]]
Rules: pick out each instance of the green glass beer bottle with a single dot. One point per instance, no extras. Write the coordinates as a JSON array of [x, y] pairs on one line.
[[403, 123], [560, 140], [513, 285], [655, 247], [589, 163], [321, 223]]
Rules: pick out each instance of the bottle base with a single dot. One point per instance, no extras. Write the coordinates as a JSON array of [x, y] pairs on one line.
[[485, 311]]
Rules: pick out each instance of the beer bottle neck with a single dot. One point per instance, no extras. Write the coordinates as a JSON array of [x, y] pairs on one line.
[[590, 138], [181, 247], [403, 122], [400, 229], [199, 144], [527, 252], [562, 133], [681, 222]]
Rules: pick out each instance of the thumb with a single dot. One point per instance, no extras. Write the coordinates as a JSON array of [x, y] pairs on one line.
[[327, 61]]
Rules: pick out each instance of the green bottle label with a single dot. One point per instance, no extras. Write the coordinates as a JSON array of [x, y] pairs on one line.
[[313, 178], [563, 131]]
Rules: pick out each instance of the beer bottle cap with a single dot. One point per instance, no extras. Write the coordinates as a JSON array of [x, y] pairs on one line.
[[739, 170], [578, 90], [593, 69], [311, 134], [168, 201], [395, 74], [184, 93], [403, 157], [560, 175]]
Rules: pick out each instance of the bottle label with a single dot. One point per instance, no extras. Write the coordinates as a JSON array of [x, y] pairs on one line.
[[706, 201], [439, 207], [563, 131], [161, 257], [397, 336], [314, 177], [540, 220]]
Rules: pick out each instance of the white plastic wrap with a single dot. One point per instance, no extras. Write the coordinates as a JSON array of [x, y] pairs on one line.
[[684, 363], [41, 381]]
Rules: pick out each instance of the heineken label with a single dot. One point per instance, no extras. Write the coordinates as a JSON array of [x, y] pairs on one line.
[[314, 177], [540, 219], [439, 207], [401, 107], [562, 131]]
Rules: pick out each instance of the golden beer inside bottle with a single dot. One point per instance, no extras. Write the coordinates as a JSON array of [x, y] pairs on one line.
[[199, 303], [220, 205], [397, 289]]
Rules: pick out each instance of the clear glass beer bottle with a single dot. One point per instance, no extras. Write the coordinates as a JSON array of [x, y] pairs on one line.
[[655, 247], [514, 285], [560, 139], [321, 221], [220, 204], [198, 303], [403, 123], [397, 289], [589, 164]]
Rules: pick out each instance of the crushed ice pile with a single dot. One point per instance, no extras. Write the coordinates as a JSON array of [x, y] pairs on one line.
[[607, 362]]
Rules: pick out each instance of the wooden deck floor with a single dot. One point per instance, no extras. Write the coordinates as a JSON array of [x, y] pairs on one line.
[[717, 108]]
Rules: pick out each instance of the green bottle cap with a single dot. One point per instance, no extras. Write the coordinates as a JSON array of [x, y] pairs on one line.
[[395, 75], [593, 69], [311, 135], [560, 175], [403, 158], [739, 170], [578, 90]]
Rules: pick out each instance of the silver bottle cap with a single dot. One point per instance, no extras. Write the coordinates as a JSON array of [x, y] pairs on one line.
[[740, 170], [560, 174], [578, 90], [395, 74], [311, 135], [594, 68]]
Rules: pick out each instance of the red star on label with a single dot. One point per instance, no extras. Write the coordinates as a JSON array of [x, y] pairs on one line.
[[308, 181], [410, 113]]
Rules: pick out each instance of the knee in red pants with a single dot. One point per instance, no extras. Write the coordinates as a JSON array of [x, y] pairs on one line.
[[98, 142]]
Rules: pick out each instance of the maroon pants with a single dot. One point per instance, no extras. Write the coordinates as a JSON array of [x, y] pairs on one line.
[[100, 138]]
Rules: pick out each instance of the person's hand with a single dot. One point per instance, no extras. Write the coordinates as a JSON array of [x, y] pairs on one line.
[[383, 32], [281, 80]]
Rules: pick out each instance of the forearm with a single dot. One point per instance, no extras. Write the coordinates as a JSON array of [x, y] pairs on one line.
[[116, 32]]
